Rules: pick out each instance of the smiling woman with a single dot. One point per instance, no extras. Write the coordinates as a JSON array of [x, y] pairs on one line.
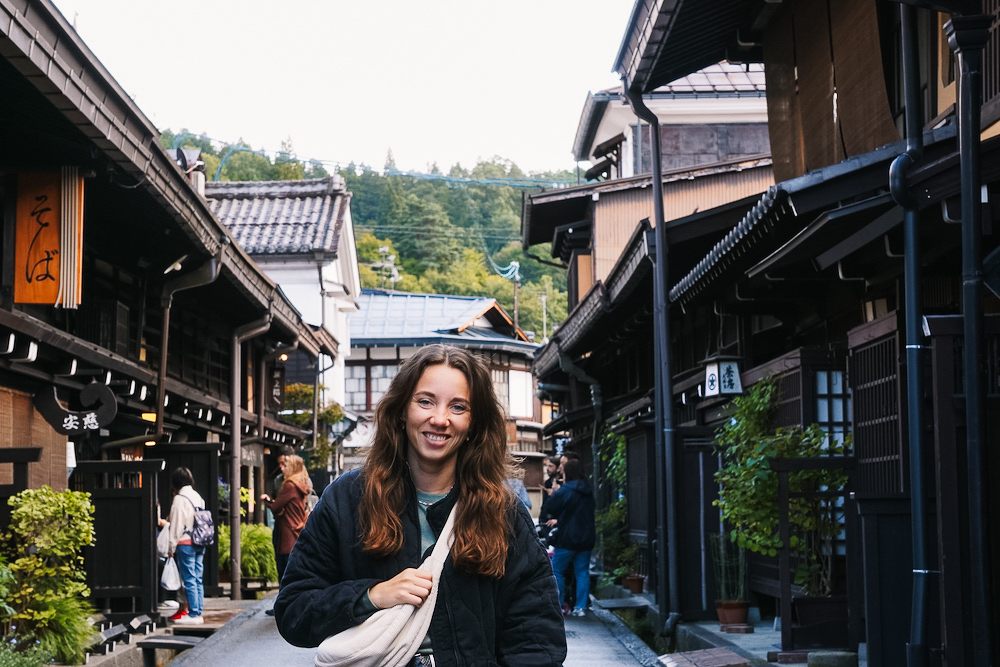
[[439, 457], [437, 422]]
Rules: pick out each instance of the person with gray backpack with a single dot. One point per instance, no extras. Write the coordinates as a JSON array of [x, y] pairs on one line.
[[188, 538]]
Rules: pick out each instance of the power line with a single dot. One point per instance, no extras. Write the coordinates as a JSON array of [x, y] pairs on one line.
[[409, 231]]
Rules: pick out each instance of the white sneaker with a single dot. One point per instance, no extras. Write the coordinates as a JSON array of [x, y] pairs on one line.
[[169, 605], [190, 620], [579, 612]]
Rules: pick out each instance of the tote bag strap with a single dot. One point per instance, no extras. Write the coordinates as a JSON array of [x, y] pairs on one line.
[[390, 637]]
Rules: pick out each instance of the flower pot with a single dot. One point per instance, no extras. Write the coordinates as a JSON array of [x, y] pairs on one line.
[[634, 582], [732, 612]]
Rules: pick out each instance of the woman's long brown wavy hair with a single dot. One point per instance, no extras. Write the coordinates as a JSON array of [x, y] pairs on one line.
[[481, 526]]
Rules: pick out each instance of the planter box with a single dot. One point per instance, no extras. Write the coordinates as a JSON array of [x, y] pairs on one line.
[[820, 622]]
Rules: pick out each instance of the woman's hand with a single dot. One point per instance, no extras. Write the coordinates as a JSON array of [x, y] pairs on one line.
[[411, 586], [264, 498], [551, 522]]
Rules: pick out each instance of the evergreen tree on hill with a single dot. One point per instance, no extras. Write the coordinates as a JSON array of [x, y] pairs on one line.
[[446, 234]]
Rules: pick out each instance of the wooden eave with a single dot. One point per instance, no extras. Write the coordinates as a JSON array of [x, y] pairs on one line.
[[38, 42]]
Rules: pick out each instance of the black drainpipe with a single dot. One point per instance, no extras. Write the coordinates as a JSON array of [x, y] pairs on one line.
[[567, 366], [916, 650], [668, 573], [240, 335], [967, 36], [203, 275]]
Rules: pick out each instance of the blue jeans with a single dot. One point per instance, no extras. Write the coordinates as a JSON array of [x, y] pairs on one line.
[[191, 563], [581, 565]]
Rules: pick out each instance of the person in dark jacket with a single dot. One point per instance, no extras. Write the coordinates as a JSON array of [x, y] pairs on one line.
[[572, 509], [439, 443]]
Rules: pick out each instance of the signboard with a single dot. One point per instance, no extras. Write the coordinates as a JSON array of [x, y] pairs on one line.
[[99, 402], [276, 387], [722, 377], [48, 238]]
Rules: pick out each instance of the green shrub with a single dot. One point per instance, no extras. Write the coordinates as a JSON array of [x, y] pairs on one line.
[[748, 487], [256, 551], [10, 656], [620, 556], [70, 631], [46, 596]]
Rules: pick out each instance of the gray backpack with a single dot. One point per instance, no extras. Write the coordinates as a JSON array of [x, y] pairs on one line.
[[203, 532]]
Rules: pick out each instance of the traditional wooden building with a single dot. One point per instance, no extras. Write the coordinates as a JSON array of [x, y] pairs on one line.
[[864, 282], [135, 335]]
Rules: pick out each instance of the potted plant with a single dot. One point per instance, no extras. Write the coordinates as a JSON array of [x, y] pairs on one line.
[[732, 606], [748, 487], [629, 560]]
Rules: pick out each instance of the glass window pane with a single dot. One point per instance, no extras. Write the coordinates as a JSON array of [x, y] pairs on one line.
[[821, 386], [838, 409], [822, 412], [837, 382]]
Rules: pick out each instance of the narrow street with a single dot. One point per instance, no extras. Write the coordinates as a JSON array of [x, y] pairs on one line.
[[251, 639]]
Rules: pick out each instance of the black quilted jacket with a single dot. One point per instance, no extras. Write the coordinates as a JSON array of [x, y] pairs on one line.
[[478, 621]]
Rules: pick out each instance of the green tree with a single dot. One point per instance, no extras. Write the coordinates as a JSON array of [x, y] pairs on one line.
[[242, 163], [439, 230], [286, 167], [297, 409]]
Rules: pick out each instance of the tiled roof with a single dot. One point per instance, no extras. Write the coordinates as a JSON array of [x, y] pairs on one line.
[[402, 318], [282, 217]]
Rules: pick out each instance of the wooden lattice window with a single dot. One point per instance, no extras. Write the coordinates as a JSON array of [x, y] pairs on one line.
[[874, 381]]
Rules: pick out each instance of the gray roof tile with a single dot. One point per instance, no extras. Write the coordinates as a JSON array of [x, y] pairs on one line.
[[402, 318], [282, 217]]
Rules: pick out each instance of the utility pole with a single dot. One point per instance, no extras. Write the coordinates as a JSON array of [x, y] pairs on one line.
[[517, 283], [545, 330]]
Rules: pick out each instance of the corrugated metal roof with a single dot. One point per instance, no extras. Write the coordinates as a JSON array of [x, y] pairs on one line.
[[282, 217], [385, 317], [719, 79]]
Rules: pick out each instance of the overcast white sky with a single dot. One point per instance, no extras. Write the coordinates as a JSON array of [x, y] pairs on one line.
[[437, 81]]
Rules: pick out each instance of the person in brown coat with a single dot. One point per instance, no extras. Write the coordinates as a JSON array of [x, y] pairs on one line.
[[289, 508]]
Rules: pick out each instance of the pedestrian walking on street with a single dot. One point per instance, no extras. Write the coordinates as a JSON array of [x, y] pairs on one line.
[[436, 472], [572, 511], [190, 557]]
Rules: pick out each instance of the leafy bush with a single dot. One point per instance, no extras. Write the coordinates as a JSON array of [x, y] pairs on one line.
[[70, 631], [748, 487], [46, 596], [256, 551], [621, 556], [11, 656]]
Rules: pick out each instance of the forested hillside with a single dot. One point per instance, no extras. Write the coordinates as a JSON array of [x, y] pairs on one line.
[[443, 233]]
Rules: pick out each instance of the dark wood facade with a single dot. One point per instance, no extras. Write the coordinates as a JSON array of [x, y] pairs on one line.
[[809, 286], [174, 322]]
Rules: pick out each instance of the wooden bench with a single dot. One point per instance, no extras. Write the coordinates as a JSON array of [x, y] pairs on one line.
[[149, 646]]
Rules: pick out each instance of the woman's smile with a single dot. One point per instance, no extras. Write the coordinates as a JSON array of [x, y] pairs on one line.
[[438, 417]]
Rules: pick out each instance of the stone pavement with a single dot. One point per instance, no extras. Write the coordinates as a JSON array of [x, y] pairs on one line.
[[251, 639], [240, 634]]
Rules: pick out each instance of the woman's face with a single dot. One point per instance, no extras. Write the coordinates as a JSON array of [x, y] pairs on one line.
[[439, 415]]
